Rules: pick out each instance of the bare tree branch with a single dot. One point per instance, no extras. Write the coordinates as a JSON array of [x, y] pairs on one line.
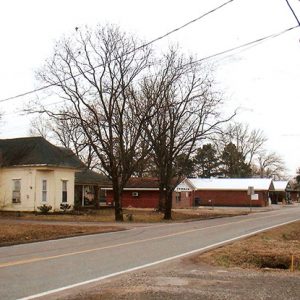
[[100, 100]]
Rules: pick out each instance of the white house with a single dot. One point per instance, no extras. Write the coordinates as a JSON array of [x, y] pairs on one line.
[[34, 172]]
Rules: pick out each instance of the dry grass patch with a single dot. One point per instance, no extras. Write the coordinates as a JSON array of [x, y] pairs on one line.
[[130, 215], [270, 249], [206, 213], [11, 234]]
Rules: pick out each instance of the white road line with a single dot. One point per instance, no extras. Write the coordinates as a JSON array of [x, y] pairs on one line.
[[153, 263]]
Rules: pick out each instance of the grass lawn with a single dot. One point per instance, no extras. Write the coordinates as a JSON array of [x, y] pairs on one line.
[[271, 249], [11, 234]]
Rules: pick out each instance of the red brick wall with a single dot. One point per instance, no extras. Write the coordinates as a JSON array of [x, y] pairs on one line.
[[230, 198], [145, 199]]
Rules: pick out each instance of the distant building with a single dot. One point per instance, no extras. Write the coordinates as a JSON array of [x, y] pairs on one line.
[[225, 191], [282, 191]]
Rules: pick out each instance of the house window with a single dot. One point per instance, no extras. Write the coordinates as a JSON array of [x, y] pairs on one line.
[[44, 190], [16, 193], [64, 191]]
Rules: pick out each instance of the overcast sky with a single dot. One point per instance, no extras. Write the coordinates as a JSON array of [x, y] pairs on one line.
[[263, 80]]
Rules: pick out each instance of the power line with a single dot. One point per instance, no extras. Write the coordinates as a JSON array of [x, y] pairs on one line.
[[239, 47], [242, 47], [186, 24], [293, 12], [140, 47], [257, 41]]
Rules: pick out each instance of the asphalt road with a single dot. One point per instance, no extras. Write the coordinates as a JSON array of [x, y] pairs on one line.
[[40, 269]]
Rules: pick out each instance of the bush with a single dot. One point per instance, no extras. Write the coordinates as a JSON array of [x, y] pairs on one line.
[[44, 208], [65, 206], [129, 217]]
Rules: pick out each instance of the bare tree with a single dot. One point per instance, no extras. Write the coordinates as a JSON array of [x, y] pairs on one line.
[[66, 133], [270, 165], [41, 126], [248, 142], [185, 112], [97, 74]]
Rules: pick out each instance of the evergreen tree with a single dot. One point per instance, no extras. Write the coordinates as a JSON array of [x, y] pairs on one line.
[[207, 162], [234, 165]]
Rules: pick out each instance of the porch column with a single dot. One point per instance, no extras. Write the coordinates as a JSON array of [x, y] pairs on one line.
[[82, 200]]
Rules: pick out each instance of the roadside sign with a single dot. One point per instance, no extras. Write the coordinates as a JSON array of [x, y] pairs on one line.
[[250, 190], [254, 197]]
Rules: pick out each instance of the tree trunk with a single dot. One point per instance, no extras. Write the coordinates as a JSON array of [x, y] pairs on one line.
[[162, 197], [118, 202], [168, 208]]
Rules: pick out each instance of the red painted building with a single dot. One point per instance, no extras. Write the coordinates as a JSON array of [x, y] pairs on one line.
[[227, 191], [140, 192], [143, 192]]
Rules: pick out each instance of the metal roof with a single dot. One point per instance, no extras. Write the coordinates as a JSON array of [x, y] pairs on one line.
[[241, 184]]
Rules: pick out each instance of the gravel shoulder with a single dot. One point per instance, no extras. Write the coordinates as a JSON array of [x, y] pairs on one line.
[[183, 279]]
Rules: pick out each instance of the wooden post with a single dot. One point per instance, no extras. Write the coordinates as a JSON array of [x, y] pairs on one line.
[[292, 263]]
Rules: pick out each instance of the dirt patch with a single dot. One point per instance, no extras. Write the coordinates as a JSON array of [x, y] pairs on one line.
[[271, 249], [11, 234]]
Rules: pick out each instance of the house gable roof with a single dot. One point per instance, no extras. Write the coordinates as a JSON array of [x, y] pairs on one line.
[[239, 184], [281, 185], [89, 177], [142, 183], [36, 151]]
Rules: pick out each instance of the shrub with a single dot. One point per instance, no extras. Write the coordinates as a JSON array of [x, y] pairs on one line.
[[44, 208], [65, 206]]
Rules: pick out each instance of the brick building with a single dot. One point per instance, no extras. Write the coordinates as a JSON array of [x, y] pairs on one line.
[[139, 192], [226, 191]]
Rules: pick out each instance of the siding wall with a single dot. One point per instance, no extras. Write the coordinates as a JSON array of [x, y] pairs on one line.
[[31, 187], [230, 198], [150, 199], [145, 199]]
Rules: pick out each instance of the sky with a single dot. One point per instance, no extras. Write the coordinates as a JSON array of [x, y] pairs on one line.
[[262, 81]]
